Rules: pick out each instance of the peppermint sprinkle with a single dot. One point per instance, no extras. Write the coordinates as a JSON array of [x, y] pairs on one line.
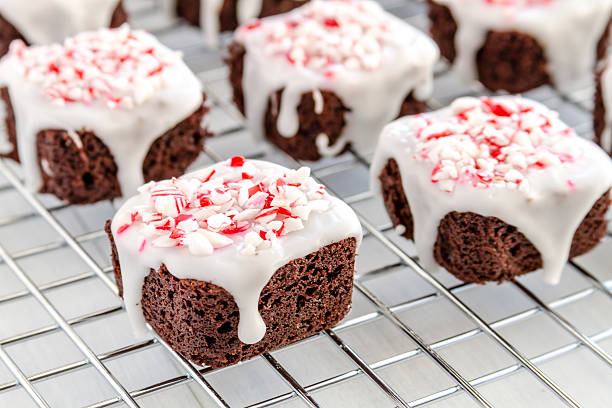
[[325, 36], [238, 202], [120, 67], [492, 142]]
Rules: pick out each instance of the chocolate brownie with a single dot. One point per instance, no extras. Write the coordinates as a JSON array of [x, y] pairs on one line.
[[330, 121], [492, 188], [200, 320], [510, 59], [479, 249], [238, 258], [89, 174], [137, 120], [8, 32], [331, 98], [228, 20]]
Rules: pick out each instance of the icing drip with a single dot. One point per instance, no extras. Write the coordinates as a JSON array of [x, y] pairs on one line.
[[504, 157], [232, 224], [570, 53], [370, 59], [123, 85], [606, 91], [51, 21]]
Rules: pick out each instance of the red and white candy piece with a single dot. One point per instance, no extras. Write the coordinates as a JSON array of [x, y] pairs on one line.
[[234, 202]]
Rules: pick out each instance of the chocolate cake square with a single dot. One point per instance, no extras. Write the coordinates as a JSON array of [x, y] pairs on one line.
[[329, 75], [518, 45], [235, 259], [96, 117], [493, 188]]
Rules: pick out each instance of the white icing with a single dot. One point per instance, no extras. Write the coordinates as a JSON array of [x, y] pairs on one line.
[[606, 93], [50, 21], [241, 263], [548, 212], [5, 145], [156, 103], [370, 59], [567, 30]]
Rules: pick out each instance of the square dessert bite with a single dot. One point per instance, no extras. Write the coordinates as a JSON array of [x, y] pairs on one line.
[[50, 21], [235, 259], [216, 16], [328, 75], [518, 45], [96, 117], [493, 188]]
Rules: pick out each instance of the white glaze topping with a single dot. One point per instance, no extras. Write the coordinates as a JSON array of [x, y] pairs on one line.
[[232, 224], [504, 157], [567, 30], [121, 84], [606, 93], [51, 21], [370, 59]]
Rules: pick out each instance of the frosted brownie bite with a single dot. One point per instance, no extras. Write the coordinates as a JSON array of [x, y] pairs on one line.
[[235, 259], [518, 45], [493, 188], [328, 75], [97, 116], [50, 21], [217, 16]]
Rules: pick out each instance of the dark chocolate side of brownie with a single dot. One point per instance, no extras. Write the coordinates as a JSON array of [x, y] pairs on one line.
[[119, 16], [9, 123], [511, 61], [200, 320], [479, 249], [330, 121], [442, 27], [599, 108], [604, 42], [88, 175], [228, 19], [9, 33]]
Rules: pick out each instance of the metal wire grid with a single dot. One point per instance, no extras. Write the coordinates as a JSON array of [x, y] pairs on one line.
[[388, 270]]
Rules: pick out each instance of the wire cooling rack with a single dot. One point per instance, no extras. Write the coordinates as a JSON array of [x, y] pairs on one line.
[[412, 339]]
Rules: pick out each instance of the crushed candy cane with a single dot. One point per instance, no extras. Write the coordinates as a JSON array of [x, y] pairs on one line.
[[325, 36], [492, 142], [118, 66], [236, 202]]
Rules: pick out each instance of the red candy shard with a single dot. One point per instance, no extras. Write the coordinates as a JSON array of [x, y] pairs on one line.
[[123, 228], [237, 161]]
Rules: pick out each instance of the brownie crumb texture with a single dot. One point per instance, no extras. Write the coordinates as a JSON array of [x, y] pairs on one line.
[[9, 123], [89, 174], [479, 249], [200, 320]]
